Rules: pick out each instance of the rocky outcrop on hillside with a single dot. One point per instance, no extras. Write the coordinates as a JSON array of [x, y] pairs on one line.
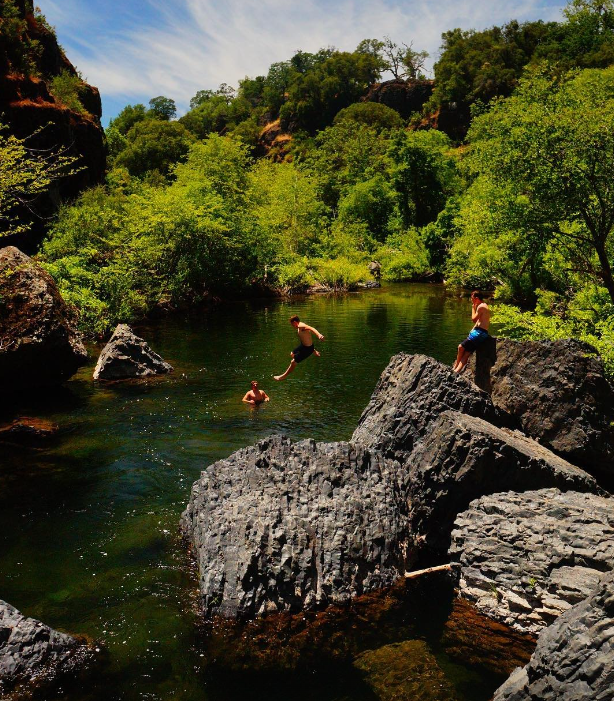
[[39, 342], [410, 395], [284, 526], [404, 96], [34, 655], [574, 658], [463, 457], [126, 355], [30, 110], [527, 557], [559, 394]]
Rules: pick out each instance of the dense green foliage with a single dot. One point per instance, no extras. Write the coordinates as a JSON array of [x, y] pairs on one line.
[[525, 207], [19, 53], [66, 88]]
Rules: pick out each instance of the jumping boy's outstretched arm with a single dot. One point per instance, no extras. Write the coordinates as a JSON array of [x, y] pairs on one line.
[[247, 400]]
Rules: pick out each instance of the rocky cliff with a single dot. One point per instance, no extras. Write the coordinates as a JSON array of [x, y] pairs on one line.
[[30, 109]]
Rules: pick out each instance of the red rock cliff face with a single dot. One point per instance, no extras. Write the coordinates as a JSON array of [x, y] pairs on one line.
[[27, 105]]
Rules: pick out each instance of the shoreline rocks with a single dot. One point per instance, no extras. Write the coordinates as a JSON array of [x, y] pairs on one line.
[[34, 655], [126, 355], [39, 342]]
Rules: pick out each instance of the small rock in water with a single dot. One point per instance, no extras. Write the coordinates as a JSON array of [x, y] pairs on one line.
[[28, 430], [127, 356]]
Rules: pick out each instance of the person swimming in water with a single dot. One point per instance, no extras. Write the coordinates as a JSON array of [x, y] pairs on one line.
[[255, 396], [306, 348], [480, 315]]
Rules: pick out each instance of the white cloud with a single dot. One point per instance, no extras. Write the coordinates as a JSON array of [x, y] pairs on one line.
[[193, 44]]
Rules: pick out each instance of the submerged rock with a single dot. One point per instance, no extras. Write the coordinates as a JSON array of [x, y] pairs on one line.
[[31, 653], [39, 342], [409, 396], [574, 658], [127, 356], [284, 526], [559, 394], [527, 557], [464, 457], [28, 431]]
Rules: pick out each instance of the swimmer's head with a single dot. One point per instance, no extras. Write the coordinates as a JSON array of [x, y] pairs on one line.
[[254, 384], [294, 320]]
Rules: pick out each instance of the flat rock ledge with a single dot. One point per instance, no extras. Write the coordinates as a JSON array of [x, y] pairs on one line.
[[464, 457], [31, 653], [525, 558], [126, 355], [39, 341], [284, 526], [410, 395], [574, 658]]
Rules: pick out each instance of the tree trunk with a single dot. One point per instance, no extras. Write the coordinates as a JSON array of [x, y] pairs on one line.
[[606, 268]]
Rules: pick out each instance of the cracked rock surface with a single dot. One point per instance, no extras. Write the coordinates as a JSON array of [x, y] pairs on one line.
[[31, 652], [127, 355], [463, 458], [525, 558], [574, 658], [284, 526], [409, 396]]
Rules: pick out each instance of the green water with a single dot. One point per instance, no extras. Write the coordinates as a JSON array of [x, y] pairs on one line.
[[88, 525]]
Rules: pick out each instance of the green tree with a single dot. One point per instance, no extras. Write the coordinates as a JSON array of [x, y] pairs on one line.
[[372, 114], [162, 108], [24, 175], [154, 145], [549, 149], [128, 117]]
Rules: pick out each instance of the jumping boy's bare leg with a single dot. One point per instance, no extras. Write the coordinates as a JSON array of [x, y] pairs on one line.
[[288, 371]]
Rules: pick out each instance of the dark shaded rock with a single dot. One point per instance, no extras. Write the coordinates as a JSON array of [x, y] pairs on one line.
[[404, 96], [558, 393], [410, 394], [526, 558], [463, 458], [32, 654], [39, 342], [284, 526], [574, 658], [126, 356], [28, 431]]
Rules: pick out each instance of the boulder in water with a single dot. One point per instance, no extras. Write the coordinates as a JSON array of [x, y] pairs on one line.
[[39, 342], [284, 526], [31, 653], [127, 356]]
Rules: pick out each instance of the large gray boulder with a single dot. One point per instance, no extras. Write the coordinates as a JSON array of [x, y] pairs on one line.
[[31, 653], [128, 356], [558, 393], [284, 526], [39, 342], [525, 558], [463, 458], [410, 395], [574, 658]]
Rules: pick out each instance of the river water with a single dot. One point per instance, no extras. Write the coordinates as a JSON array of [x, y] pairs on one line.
[[88, 525]]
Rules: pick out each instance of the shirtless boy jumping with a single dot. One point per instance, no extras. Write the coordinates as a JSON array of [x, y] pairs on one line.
[[480, 315], [305, 349]]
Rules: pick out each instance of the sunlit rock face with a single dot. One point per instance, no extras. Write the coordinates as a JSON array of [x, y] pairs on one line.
[[527, 557]]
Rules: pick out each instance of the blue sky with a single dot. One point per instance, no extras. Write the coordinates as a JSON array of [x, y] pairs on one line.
[[133, 50]]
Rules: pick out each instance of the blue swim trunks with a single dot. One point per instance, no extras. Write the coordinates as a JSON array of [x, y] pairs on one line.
[[475, 338]]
